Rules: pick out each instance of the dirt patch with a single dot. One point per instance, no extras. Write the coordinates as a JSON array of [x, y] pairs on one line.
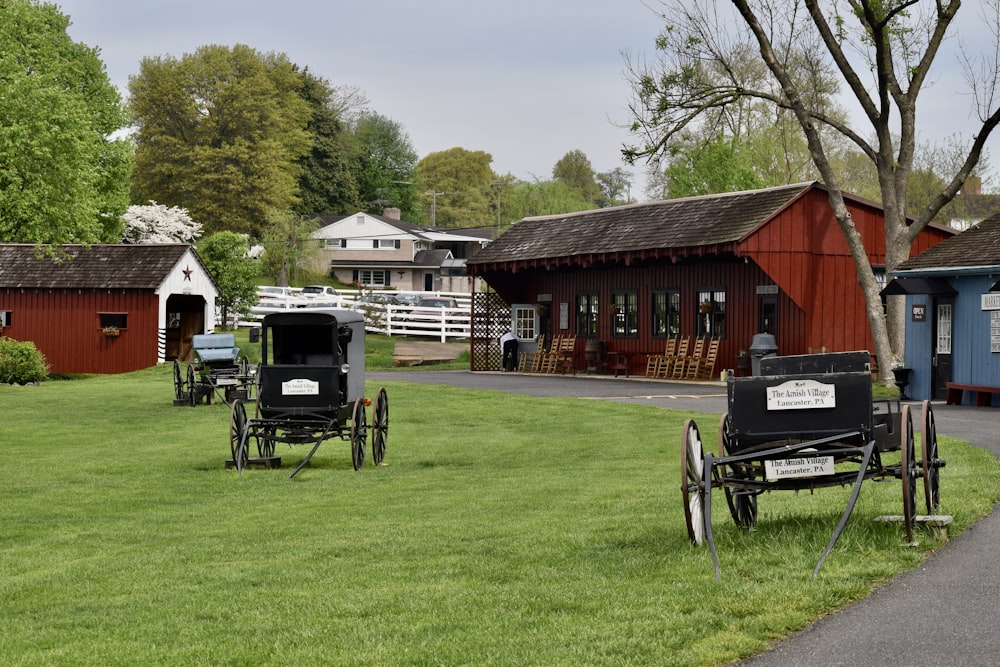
[[409, 353]]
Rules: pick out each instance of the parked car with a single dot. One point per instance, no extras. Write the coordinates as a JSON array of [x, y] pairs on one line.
[[274, 292], [407, 298], [384, 299], [429, 308], [314, 291]]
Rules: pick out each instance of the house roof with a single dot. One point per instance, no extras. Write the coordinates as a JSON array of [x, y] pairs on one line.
[[977, 246], [469, 234], [124, 266], [691, 222]]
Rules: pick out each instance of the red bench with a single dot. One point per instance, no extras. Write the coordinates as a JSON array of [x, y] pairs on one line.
[[983, 394]]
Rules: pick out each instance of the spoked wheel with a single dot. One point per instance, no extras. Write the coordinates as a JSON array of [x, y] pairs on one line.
[[192, 394], [692, 472], [238, 433], [244, 367], [265, 443], [908, 471], [931, 463], [178, 382], [359, 433], [742, 504], [380, 426]]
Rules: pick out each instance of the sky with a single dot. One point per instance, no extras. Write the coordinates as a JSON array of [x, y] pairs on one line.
[[526, 81]]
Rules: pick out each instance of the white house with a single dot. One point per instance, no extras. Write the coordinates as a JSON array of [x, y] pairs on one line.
[[384, 251]]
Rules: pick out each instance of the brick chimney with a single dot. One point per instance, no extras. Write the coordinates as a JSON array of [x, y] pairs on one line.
[[973, 186], [392, 213]]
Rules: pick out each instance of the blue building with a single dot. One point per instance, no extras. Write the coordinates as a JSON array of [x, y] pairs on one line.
[[953, 312]]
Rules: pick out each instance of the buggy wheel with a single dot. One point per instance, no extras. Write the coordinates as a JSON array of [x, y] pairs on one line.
[[192, 393], [929, 454], [380, 426], [359, 433], [178, 382], [692, 474], [265, 443], [238, 433], [742, 504], [908, 471], [244, 366]]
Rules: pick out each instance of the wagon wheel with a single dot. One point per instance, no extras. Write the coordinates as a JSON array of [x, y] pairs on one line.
[[238, 433], [359, 433], [244, 367], [178, 382], [692, 469], [742, 505], [929, 452], [192, 393], [908, 471], [380, 426]]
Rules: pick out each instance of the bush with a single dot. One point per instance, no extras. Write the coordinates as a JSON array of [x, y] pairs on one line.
[[21, 362]]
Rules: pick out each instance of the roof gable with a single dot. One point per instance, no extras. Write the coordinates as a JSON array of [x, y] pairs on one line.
[[977, 246], [687, 223], [121, 266], [364, 225]]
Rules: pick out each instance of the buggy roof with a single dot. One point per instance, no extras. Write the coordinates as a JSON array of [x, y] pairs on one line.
[[312, 316]]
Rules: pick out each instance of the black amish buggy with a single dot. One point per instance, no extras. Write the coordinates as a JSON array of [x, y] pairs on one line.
[[807, 422], [310, 388], [218, 369]]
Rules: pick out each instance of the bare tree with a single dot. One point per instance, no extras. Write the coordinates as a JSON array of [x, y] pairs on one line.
[[880, 51]]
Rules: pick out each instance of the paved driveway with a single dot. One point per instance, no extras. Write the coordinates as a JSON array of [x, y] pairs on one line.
[[947, 611]]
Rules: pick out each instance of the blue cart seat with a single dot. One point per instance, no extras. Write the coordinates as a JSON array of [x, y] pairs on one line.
[[211, 348]]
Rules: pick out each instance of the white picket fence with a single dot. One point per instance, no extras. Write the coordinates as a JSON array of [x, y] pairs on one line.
[[443, 324]]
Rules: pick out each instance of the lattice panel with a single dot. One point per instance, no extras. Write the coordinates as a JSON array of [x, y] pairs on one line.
[[490, 320]]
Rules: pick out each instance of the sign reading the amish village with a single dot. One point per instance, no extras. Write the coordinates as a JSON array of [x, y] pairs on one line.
[[300, 387], [801, 395], [804, 467]]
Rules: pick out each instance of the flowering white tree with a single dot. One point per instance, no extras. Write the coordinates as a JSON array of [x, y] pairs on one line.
[[157, 223]]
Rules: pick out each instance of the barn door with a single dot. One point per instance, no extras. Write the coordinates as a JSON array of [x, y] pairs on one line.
[[941, 352]]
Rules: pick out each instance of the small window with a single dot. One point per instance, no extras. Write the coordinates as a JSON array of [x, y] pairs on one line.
[[525, 322], [711, 314], [116, 320], [586, 315], [371, 277], [666, 313], [624, 314], [4, 318]]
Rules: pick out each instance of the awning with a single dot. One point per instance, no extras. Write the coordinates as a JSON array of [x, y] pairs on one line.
[[918, 286]]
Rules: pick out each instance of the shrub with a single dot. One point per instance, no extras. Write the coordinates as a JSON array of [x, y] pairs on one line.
[[21, 362]]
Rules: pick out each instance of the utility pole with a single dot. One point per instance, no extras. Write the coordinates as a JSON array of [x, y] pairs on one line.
[[434, 200]]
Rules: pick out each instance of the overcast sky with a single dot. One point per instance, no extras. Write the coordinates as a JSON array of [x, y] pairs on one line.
[[524, 80]]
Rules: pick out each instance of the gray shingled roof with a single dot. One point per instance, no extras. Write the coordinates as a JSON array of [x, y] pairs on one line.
[[979, 245], [675, 223], [101, 266]]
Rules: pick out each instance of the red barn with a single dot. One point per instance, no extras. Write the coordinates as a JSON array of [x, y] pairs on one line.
[[722, 266], [107, 308]]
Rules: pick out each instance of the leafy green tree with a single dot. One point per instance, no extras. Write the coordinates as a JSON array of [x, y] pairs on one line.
[[288, 247], [708, 169], [386, 161], [881, 51], [615, 186], [225, 257], [62, 178], [522, 199], [574, 170], [327, 184], [220, 132], [460, 187]]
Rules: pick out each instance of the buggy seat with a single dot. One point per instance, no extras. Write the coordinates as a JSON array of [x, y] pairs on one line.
[[215, 348]]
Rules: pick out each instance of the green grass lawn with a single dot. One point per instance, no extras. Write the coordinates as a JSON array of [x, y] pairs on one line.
[[504, 530]]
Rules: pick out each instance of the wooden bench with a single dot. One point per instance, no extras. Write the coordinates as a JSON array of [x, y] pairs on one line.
[[983, 393]]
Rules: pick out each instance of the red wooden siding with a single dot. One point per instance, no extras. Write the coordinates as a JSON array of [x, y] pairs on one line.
[[738, 278], [65, 326]]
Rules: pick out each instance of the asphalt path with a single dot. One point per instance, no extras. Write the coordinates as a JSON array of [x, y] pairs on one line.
[[947, 611]]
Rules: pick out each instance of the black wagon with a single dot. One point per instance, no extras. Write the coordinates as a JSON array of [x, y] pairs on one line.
[[310, 388], [807, 422], [219, 369]]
